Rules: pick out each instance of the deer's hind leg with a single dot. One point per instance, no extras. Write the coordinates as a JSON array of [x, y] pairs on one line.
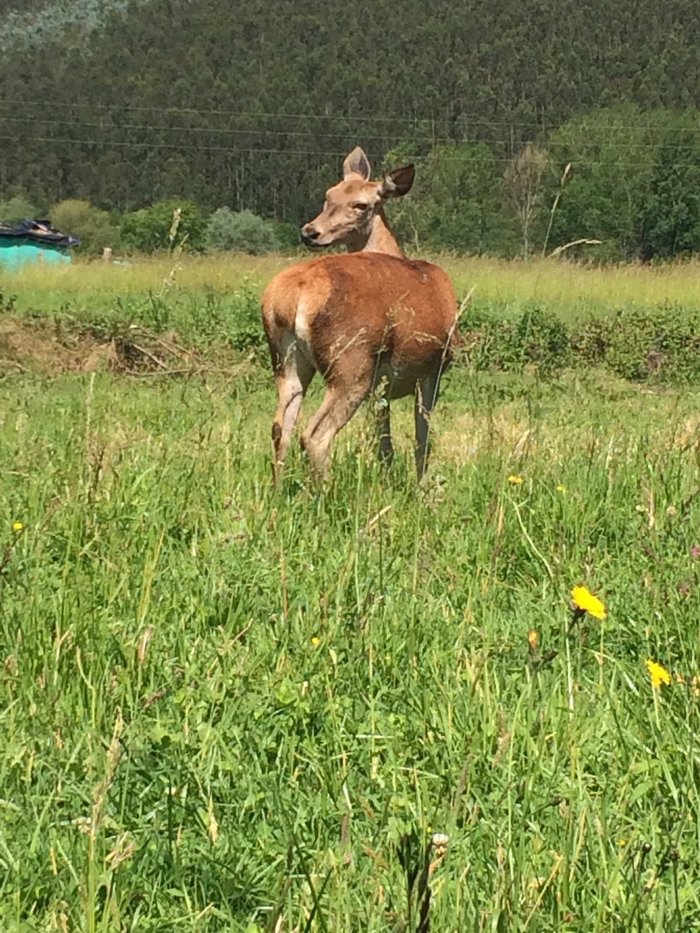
[[339, 405], [293, 374]]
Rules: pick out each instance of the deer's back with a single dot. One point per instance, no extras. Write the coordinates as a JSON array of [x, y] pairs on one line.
[[347, 309]]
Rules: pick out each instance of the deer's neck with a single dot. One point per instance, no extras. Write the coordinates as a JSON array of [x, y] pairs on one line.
[[380, 239]]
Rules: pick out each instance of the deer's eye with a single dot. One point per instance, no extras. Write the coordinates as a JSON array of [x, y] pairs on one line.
[[360, 206]]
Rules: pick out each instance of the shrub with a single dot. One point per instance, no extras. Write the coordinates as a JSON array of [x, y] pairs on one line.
[[17, 208], [287, 235], [659, 343], [542, 340], [246, 329], [93, 227], [152, 228], [535, 339], [241, 231]]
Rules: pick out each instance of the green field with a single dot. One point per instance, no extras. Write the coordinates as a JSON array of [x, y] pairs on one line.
[[570, 288], [225, 707]]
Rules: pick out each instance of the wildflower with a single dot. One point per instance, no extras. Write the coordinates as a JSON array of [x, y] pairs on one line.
[[561, 488], [585, 601], [515, 479], [533, 639], [17, 526], [658, 673], [315, 641]]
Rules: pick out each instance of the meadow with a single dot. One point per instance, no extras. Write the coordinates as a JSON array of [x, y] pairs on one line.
[[366, 705], [568, 288]]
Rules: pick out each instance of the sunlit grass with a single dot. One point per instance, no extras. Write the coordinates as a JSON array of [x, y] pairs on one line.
[[565, 287], [222, 707]]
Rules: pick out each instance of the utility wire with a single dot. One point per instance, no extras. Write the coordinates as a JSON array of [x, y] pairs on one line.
[[262, 150], [469, 120], [298, 134]]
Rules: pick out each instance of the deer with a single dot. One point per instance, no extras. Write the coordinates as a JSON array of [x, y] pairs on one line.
[[367, 320]]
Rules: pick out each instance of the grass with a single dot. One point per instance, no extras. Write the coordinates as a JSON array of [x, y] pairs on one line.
[[225, 708], [568, 289]]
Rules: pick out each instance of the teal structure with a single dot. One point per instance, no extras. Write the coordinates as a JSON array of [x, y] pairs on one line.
[[30, 241], [14, 255]]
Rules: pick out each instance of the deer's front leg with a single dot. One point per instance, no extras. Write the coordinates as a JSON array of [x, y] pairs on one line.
[[383, 419]]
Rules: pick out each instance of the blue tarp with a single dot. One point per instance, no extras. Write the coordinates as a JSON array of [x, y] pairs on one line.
[[32, 241]]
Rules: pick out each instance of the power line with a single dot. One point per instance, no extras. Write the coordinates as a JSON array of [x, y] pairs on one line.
[[206, 129], [213, 130], [470, 120], [262, 150]]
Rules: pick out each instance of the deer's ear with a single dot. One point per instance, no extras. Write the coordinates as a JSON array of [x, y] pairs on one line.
[[398, 182], [357, 163]]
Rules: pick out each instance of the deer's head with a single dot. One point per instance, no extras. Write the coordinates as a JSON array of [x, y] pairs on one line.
[[355, 206]]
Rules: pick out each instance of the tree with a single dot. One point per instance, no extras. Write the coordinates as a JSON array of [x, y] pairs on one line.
[[524, 176], [240, 231], [93, 227], [612, 157], [635, 185], [17, 208], [171, 224], [458, 200], [671, 211]]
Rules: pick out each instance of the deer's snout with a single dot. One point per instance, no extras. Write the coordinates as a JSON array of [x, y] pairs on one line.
[[309, 235]]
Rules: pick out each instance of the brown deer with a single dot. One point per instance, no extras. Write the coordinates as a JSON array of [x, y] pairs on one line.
[[368, 320]]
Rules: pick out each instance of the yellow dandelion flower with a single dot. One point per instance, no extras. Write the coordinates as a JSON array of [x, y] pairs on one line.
[[561, 488], [17, 526], [585, 601], [315, 641], [533, 639], [515, 480], [658, 674]]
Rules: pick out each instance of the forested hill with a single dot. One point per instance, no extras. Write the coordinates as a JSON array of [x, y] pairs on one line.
[[251, 104]]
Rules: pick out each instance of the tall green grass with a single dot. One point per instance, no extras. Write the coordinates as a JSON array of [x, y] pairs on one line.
[[227, 708], [570, 288]]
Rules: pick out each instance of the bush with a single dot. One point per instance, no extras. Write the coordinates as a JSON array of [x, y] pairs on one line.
[[643, 344], [241, 231], [287, 235], [93, 227], [152, 228], [639, 344], [535, 339], [17, 208]]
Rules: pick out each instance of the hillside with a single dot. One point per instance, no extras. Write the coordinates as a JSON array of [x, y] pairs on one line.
[[252, 104]]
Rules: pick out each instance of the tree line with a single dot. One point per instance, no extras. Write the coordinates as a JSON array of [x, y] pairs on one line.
[[253, 108]]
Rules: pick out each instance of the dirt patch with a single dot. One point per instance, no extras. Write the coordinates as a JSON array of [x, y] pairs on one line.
[[48, 349], [38, 347]]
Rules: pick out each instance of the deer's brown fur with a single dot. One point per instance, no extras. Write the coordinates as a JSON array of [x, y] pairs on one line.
[[365, 320]]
